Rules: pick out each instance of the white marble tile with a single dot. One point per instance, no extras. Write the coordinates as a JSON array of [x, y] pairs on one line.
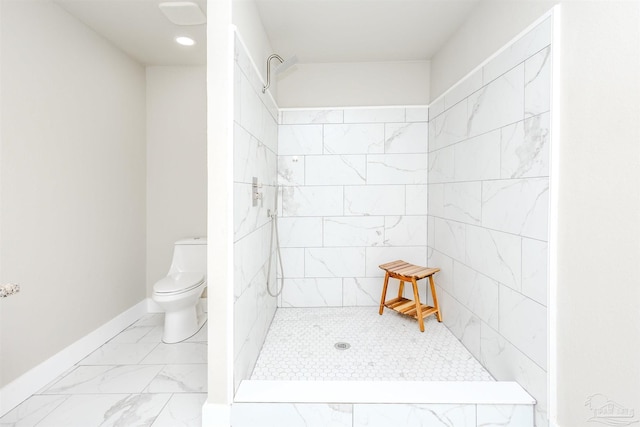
[[495, 254], [441, 165], [250, 254], [292, 262], [248, 218], [461, 321], [463, 89], [405, 230], [417, 114], [537, 83], [107, 410], [521, 49], [436, 200], [334, 262], [151, 319], [133, 334], [179, 353], [450, 238], [462, 202], [250, 109], [374, 115], [414, 415], [251, 158], [291, 415], [30, 412], [269, 129], [312, 201], [291, 170], [497, 104], [382, 255], [311, 116], [191, 378], [182, 410], [353, 139], [299, 139], [115, 353], [363, 291], [478, 158], [436, 108], [397, 169], [335, 170], [519, 206], [323, 292], [507, 363], [534, 270], [449, 127], [525, 148], [444, 277], [505, 415], [406, 137], [431, 231], [353, 231], [299, 232], [374, 200], [524, 323], [477, 292], [105, 379], [416, 203]]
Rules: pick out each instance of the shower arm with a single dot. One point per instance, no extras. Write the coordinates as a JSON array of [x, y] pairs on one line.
[[279, 58]]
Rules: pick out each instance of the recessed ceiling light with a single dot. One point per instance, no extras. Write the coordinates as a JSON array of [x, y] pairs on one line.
[[185, 41]]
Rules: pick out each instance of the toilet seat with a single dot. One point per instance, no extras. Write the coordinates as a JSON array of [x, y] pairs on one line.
[[178, 283]]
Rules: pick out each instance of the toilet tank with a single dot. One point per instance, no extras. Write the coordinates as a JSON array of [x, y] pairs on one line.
[[190, 255]]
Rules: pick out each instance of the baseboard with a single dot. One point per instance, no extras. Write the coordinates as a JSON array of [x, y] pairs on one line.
[[35, 379]]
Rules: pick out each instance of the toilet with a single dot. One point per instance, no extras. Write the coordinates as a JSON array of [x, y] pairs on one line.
[[178, 294]]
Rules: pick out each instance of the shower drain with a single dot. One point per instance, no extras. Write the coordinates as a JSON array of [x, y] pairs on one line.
[[342, 345]]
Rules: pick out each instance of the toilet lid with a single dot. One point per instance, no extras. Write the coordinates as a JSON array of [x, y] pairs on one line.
[[178, 282]]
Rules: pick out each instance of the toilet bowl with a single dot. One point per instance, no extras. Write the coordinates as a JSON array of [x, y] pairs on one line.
[[178, 294]]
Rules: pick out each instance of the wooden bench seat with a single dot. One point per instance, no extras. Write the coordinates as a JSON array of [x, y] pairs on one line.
[[405, 272]]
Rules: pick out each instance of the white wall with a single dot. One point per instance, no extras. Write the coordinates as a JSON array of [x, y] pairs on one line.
[[489, 27], [73, 182], [176, 162], [354, 84], [598, 192], [354, 196]]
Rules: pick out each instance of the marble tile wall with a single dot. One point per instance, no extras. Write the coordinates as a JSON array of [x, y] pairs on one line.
[[353, 197], [380, 415], [488, 208], [255, 137]]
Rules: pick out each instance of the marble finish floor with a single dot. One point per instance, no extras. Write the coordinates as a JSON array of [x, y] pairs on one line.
[[300, 346], [132, 380]]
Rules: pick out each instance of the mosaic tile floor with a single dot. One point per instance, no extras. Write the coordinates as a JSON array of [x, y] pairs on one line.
[[300, 346]]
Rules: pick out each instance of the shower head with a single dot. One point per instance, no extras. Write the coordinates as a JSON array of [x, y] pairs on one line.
[[282, 67], [286, 64]]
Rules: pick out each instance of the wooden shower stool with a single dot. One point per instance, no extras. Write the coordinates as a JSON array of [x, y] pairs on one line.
[[406, 272]]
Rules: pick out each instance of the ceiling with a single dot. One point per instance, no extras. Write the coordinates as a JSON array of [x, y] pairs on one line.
[[140, 29], [361, 30], [314, 30]]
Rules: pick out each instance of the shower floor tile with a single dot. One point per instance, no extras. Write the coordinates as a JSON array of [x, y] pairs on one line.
[[300, 345]]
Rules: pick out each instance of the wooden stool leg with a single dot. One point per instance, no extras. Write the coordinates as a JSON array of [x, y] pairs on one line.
[[401, 289], [418, 306], [384, 292], [435, 298]]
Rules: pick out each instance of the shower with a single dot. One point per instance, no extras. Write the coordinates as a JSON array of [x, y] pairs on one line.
[[282, 67]]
